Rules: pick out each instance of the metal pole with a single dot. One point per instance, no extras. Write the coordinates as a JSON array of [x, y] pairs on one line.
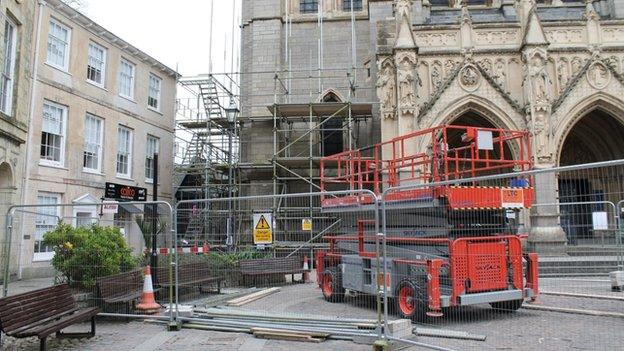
[[7, 253], [154, 260]]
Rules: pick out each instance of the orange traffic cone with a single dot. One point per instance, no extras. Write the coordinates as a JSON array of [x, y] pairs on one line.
[[148, 303], [306, 270]]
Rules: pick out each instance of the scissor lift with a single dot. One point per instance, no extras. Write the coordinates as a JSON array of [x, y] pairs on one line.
[[448, 244]]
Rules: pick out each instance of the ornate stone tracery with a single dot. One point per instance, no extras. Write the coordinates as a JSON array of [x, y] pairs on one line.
[[408, 80], [386, 88]]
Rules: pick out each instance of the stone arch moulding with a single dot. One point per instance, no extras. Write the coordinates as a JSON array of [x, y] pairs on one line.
[[6, 176], [479, 105], [598, 101], [330, 92]]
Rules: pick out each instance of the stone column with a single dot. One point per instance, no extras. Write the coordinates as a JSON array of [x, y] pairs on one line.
[[546, 235]]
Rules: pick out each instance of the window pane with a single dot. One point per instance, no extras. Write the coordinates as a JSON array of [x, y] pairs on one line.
[[151, 149], [52, 132], [93, 142], [126, 79], [124, 147], [357, 5], [58, 40], [95, 67], [307, 6], [6, 85], [153, 99]]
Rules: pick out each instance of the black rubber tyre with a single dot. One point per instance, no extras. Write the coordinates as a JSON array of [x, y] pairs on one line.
[[410, 300], [331, 285], [507, 306]]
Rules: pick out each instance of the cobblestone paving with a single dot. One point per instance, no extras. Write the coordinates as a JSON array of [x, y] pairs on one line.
[[523, 330]]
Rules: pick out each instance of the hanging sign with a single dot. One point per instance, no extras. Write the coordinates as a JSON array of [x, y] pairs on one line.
[[262, 228], [306, 224], [109, 207], [125, 192], [512, 198]]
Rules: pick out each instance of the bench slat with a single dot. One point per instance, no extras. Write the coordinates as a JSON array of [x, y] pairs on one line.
[[23, 317], [82, 315], [25, 328]]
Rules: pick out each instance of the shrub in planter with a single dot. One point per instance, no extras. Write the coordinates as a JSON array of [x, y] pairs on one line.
[[83, 254]]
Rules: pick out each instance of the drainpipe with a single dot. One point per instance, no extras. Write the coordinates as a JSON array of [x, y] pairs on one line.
[[30, 140]]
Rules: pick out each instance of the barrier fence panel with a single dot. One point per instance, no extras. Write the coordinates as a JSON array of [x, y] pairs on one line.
[[511, 260], [100, 250], [281, 257]]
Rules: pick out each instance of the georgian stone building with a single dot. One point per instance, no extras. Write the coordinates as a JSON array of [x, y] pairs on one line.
[[554, 68]]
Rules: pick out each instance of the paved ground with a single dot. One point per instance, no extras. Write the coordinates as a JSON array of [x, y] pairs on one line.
[[523, 330]]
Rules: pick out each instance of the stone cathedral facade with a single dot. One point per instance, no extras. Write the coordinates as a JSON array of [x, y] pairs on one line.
[[553, 67]]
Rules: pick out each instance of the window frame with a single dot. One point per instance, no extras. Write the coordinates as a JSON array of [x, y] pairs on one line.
[[308, 6], [65, 66], [132, 78], [346, 5], [64, 119], [100, 151], [149, 92], [147, 156], [46, 255], [104, 62], [6, 97], [130, 152]]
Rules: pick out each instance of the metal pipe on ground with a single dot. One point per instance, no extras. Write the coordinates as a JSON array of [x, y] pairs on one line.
[[416, 343], [247, 313], [586, 296], [449, 334], [574, 311]]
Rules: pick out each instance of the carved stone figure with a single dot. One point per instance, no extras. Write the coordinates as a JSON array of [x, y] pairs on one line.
[[598, 75], [469, 77], [577, 64], [386, 86], [563, 76], [407, 78], [486, 64], [436, 75], [449, 67], [539, 81], [500, 73]]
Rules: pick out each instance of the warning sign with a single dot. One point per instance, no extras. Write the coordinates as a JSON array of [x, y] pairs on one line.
[[306, 224], [262, 228], [512, 198]]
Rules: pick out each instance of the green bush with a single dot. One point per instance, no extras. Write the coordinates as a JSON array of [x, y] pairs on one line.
[[86, 253]]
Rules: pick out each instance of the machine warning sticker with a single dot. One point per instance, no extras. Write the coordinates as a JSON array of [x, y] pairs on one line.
[[306, 224], [512, 198], [263, 231]]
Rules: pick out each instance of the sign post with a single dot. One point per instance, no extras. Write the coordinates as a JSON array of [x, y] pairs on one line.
[[262, 228]]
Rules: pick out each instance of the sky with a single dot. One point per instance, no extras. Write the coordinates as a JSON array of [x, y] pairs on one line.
[[177, 36]]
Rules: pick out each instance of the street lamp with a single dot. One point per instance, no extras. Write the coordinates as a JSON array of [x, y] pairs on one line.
[[232, 111]]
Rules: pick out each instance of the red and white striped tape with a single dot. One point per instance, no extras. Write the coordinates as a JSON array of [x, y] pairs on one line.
[[184, 250]]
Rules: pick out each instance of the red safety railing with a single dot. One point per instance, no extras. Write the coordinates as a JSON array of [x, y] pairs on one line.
[[431, 155]]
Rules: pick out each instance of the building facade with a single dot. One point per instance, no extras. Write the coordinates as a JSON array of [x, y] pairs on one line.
[[554, 68], [101, 110], [16, 31]]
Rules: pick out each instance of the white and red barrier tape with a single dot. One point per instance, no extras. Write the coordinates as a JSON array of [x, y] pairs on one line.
[[185, 250]]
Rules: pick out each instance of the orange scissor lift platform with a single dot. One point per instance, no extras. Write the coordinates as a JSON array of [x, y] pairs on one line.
[[477, 267]]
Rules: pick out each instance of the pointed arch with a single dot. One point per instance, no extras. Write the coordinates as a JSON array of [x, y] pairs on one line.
[[480, 106], [331, 95]]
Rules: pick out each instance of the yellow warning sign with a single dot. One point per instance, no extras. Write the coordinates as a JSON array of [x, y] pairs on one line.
[[306, 224], [262, 228]]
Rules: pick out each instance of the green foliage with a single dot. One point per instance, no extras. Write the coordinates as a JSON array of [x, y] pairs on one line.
[[86, 253]]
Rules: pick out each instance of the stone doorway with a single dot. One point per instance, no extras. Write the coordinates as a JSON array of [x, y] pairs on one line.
[[597, 136]]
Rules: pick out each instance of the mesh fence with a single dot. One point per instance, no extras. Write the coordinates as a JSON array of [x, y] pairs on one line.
[[101, 253]]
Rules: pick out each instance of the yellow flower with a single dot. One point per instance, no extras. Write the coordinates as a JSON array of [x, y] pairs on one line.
[[68, 245]]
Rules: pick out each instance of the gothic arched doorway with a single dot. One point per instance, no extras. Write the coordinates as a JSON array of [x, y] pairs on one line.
[[332, 138], [597, 136]]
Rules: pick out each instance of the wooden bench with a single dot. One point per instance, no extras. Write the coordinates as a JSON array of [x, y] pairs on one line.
[[196, 274], [42, 313], [270, 266], [124, 288]]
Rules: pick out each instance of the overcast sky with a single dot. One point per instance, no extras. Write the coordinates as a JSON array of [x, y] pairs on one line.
[[174, 35]]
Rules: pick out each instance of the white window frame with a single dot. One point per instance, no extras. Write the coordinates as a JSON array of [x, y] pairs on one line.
[[65, 66], [155, 78], [45, 221], [150, 156], [100, 145], [121, 128], [61, 161], [80, 208], [8, 68], [103, 68], [132, 78]]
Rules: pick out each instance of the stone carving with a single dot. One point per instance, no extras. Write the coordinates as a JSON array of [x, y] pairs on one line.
[[449, 67], [577, 64], [437, 39], [386, 89], [500, 72], [407, 78], [563, 74], [539, 81], [614, 63], [436, 75], [496, 37], [565, 36], [403, 8], [487, 66], [598, 75], [469, 78], [610, 35]]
